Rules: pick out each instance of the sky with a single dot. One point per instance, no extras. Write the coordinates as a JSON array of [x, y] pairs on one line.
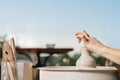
[[35, 23]]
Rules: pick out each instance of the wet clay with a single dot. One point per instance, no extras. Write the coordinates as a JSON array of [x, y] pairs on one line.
[[85, 59]]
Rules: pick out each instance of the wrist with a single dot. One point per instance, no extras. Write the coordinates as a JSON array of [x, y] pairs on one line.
[[104, 50]]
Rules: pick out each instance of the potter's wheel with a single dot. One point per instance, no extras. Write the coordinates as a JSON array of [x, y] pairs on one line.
[[80, 73], [74, 68], [85, 69]]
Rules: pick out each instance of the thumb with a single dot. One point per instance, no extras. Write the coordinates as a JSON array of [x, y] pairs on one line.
[[83, 39]]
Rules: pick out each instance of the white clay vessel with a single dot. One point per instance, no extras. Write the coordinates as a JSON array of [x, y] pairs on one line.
[[85, 59]]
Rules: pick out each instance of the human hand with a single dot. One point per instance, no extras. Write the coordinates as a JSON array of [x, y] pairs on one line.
[[91, 43]]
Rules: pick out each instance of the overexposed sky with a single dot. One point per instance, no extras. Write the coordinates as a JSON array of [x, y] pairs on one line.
[[35, 23]]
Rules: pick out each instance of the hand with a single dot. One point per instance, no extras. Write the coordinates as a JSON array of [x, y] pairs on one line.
[[91, 43]]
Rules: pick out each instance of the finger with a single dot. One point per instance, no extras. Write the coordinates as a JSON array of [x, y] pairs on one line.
[[79, 39], [79, 35], [82, 38], [83, 33]]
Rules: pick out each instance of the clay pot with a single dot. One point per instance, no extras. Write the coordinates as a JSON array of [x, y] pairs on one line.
[[85, 59]]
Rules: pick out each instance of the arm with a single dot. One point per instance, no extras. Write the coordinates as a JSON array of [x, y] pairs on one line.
[[112, 54]]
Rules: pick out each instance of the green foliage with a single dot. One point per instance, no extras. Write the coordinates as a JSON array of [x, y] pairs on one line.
[[66, 60], [62, 60], [100, 60]]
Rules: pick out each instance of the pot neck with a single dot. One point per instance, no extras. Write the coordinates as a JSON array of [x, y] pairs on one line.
[[84, 51]]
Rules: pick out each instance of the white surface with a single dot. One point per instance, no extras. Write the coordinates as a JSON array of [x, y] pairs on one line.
[[20, 66], [73, 73]]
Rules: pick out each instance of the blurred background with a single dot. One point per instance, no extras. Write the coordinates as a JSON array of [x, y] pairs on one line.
[[35, 23]]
